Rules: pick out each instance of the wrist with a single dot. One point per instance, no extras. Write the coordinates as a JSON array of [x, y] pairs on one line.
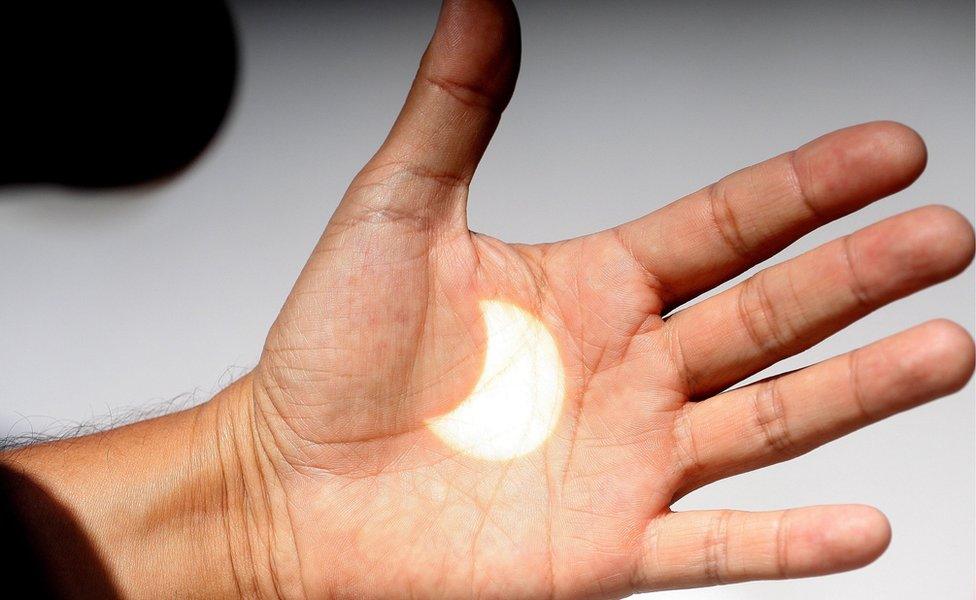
[[257, 531], [175, 506]]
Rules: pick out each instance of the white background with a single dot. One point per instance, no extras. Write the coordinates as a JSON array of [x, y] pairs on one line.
[[112, 304]]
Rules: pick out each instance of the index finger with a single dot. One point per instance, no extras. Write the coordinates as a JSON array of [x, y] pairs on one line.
[[712, 235]]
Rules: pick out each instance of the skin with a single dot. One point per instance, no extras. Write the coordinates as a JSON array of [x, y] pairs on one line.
[[314, 476]]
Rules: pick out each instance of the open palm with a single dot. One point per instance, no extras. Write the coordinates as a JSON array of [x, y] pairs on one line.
[[383, 332]]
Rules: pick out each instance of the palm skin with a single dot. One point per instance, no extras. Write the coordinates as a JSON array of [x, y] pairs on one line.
[[383, 331], [563, 518]]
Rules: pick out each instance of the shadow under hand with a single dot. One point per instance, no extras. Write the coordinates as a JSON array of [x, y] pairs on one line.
[[48, 553]]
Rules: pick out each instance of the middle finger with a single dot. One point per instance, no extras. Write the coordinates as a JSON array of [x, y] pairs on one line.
[[789, 307]]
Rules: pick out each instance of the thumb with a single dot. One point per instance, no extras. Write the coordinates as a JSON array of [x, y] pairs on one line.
[[465, 80]]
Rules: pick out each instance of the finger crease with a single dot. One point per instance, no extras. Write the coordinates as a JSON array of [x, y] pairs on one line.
[[723, 218], [685, 444], [770, 413], [469, 95], [857, 287], [800, 193], [782, 544], [753, 299], [717, 549], [857, 395]]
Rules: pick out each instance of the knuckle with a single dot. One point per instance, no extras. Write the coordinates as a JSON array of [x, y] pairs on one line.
[[686, 446], [771, 420], [795, 177], [859, 290], [782, 554], [725, 221], [858, 396], [771, 333], [716, 557], [469, 95]]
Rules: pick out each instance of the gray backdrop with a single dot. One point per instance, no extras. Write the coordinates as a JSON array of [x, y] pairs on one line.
[[125, 301]]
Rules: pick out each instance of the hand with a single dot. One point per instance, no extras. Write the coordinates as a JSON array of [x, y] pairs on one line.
[[383, 332], [318, 475]]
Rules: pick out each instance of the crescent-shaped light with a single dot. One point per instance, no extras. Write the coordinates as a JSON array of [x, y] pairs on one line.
[[518, 399]]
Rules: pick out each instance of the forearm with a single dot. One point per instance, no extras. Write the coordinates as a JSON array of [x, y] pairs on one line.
[[170, 507]]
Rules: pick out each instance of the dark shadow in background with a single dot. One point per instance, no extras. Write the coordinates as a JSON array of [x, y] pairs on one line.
[[48, 554], [110, 93], [95, 95]]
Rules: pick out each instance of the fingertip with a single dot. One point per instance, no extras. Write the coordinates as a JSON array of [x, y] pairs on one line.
[[852, 167], [905, 147], [913, 367], [918, 248], [476, 48], [958, 232], [861, 535], [838, 538], [949, 233], [952, 355]]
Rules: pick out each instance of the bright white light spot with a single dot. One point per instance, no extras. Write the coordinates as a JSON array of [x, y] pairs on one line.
[[518, 399]]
